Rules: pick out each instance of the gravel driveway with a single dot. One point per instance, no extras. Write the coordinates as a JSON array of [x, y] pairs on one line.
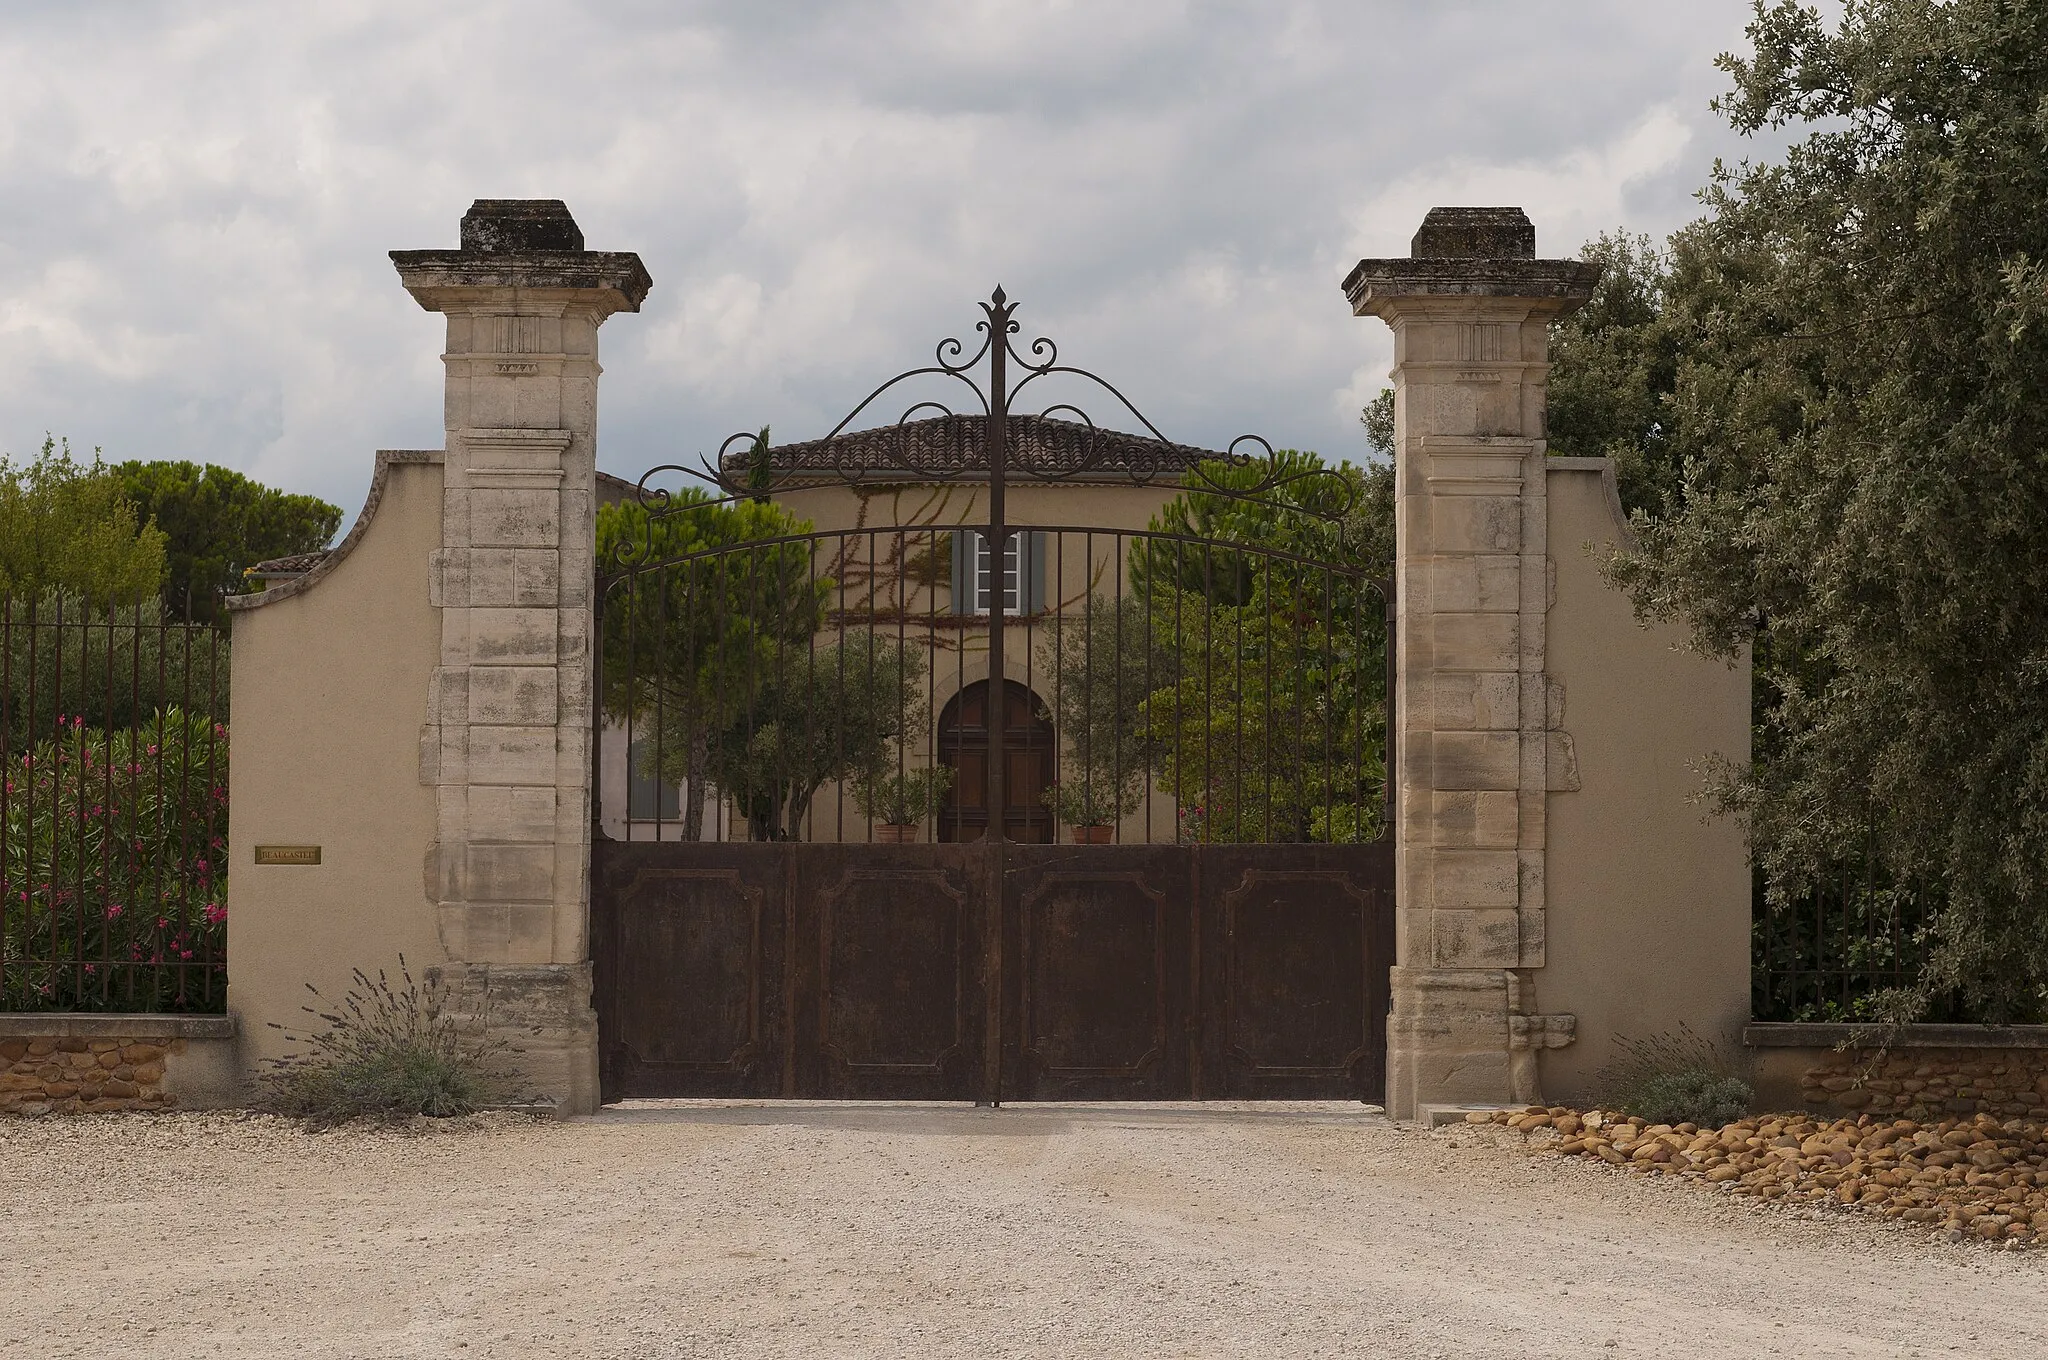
[[684, 1230]]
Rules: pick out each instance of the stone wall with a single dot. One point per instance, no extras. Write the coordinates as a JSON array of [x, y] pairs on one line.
[[89, 1064], [418, 705], [1928, 1072], [1536, 890]]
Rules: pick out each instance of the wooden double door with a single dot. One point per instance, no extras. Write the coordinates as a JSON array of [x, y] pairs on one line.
[[1029, 757], [992, 972]]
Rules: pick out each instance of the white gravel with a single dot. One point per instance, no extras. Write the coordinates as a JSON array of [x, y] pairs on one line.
[[740, 1230]]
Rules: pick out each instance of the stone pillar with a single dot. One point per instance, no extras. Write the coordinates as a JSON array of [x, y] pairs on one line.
[[1477, 723], [507, 738]]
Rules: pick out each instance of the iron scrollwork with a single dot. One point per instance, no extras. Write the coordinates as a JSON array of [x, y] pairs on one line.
[[931, 440]]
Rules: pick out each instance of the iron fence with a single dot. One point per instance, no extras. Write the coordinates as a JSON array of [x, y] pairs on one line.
[[834, 686], [113, 808], [1827, 954]]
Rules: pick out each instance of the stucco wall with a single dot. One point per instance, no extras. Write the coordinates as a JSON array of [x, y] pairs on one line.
[[1648, 899], [329, 694]]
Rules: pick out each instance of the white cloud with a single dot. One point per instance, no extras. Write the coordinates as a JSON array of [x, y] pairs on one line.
[[196, 197]]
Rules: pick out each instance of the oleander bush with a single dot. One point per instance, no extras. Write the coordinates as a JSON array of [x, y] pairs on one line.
[[113, 868]]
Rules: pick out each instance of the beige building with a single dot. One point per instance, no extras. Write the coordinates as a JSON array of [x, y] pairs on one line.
[[891, 508]]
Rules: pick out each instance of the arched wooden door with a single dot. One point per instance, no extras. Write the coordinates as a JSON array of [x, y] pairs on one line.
[[1027, 764]]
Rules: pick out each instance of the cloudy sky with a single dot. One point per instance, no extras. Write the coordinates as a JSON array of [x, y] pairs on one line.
[[196, 198]]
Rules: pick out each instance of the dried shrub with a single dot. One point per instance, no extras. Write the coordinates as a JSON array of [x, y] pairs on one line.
[[1676, 1078], [391, 1052]]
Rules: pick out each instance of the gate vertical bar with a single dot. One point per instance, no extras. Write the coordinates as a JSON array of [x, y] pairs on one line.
[[997, 450]]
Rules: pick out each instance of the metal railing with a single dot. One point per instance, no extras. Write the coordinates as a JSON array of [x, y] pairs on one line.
[[113, 809], [1824, 956], [834, 686]]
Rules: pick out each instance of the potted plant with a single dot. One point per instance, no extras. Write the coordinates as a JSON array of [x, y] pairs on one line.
[[1093, 802], [898, 801]]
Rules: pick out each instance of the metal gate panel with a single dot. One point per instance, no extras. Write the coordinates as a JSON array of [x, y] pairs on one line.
[[1295, 985], [688, 955], [888, 1001], [1209, 693], [1101, 994]]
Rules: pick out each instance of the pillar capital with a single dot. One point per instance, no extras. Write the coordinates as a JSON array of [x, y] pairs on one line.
[[523, 257], [1463, 258]]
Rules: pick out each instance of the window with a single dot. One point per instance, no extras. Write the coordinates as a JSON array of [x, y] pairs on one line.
[[975, 573], [983, 576]]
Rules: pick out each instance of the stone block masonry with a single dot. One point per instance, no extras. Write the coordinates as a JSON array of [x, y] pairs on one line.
[[1926, 1072], [420, 703], [1476, 717], [506, 743], [1931, 1083], [92, 1064], [68, 1076]]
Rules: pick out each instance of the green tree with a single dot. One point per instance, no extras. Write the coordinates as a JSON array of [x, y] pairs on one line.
[[64, 659], [1273, 728], [694, 619], [1859, 419], [1266, 721], [216, 524], [1102, 665], [67, 526], [1614, 367], [821, 712]]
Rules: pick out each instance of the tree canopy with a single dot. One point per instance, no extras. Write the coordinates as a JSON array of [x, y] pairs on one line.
[[69, 526], [1831, 406], [1249, 683], [217, 523], [691, 632]]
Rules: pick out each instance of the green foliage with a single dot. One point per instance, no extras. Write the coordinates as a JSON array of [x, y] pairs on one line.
[[1378, 419], [1265, 708], [817, 713], [902, 797], [390, 1053], [1691, 1096], [1274, 729], [216, 524], [66, 526], [1675, 1078], [1861, 486], [1614, 368], [688, 639], [1102, 664], [113, 868], [1093, 796], [1342, 514], [62, 659]]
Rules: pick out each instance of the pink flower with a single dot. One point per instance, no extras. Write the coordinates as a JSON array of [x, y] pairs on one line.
[[113, 911], [215, 913]]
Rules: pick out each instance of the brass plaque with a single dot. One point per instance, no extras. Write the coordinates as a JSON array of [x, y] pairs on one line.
[[287, 854]]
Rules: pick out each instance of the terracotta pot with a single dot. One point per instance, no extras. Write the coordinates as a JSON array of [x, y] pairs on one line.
[[1094, 835], [896, 833]]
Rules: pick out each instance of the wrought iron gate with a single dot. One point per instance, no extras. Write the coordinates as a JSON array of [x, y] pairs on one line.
[[1199, 706]]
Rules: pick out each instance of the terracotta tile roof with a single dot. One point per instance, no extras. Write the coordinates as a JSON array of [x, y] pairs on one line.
[[296, 564], [947, 447]]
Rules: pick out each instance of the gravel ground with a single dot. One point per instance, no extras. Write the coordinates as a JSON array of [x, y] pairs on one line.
[[687, 1230]]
